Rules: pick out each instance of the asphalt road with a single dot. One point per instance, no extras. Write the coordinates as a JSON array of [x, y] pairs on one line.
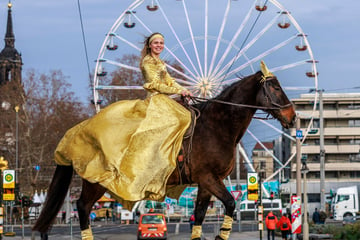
[[176, 231]]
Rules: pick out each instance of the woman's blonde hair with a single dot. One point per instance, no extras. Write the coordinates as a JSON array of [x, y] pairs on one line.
[[146, 49]]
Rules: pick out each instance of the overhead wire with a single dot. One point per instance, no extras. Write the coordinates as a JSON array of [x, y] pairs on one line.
[[84, 40], [243, 43]]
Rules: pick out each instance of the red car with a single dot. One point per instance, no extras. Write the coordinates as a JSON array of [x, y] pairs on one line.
[[152, 226]]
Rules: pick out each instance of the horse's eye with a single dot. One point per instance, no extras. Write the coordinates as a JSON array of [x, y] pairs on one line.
[[277, 88]]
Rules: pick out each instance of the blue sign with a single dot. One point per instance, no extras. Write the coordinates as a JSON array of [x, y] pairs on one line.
[[92, 215], [299, 134], [37, 168], [168, 201]]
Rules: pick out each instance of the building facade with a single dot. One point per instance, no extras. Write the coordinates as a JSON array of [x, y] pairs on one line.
[[341, 124], [263, 159]]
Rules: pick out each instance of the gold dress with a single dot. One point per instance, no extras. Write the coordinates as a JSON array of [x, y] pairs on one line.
[[131, 146]]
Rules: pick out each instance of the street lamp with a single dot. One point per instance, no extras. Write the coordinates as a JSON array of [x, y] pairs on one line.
[[304, 171], [17, 146]]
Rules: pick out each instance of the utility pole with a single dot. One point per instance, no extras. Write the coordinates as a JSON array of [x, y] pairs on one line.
[[298, 157], [238, 216], [305, 170], [322, 152]]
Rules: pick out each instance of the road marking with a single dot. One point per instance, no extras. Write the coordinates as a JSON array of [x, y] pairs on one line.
[[177, 228]]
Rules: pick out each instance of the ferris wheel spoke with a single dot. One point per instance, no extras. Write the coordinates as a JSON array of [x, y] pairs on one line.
[[250, 44], [290, 65], [261, 56], [276, 129], [117, 87], [120, 65], [126, 41], [192, 38], [170, 52], [177, 38], [233, 40], [206, 35], [223, 24], [265, 148]]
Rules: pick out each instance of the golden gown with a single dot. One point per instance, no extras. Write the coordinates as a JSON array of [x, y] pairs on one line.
[[131, 146]]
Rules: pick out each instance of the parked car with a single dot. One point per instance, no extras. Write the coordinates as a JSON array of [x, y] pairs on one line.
[[152, 226]]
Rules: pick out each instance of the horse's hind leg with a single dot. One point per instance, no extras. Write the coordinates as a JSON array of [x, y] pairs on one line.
[[202, 203], [218, 189], [90, 193]]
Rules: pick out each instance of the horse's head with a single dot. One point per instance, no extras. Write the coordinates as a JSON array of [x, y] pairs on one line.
[[274, 100]]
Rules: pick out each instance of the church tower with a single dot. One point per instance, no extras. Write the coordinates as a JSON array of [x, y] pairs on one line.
[[10, 59], [11, 98]]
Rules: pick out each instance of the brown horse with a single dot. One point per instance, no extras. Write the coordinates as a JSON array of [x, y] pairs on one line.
[[222, 123]]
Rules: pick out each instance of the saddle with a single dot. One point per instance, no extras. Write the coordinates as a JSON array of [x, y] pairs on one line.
[[183, 159]]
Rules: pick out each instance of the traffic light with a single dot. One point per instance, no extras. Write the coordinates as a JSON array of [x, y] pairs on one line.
[[271, 195], [3, 164]]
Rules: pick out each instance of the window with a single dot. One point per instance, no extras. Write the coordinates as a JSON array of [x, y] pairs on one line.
[[262, 164], [354, 106], [316, 123], [342, 198], [354, 141], [354, 157], [354, 123], [313, 197]]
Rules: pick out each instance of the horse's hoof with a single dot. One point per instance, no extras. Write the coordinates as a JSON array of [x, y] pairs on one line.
[[44, 236], [218, 238]]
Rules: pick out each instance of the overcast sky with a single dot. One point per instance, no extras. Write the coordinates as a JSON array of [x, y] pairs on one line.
[[48, 35]]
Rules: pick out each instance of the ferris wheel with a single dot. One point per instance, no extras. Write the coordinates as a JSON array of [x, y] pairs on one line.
[[209, 44]]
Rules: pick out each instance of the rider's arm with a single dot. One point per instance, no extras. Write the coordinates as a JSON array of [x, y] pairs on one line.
[[158, 79]]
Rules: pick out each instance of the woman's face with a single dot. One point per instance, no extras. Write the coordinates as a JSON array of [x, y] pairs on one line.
[[157, 46]]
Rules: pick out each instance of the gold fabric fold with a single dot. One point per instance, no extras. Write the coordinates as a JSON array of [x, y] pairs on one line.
[[130, 147]]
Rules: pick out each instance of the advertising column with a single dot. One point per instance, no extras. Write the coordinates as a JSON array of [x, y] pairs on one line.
[[296, 214]]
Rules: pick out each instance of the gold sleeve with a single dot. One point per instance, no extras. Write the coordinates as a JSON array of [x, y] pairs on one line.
[[158, 79]]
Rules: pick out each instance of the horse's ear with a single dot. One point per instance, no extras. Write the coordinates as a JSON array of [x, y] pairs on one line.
[[265, 71]]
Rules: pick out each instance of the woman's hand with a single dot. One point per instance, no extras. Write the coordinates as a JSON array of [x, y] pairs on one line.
[[186, 93]]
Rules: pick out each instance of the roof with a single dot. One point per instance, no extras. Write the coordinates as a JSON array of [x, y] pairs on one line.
[[268, 145], [105, 199]]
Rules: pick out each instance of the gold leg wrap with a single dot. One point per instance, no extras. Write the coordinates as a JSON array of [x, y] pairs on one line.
[[226, 227], [196, 232], [87, 234]]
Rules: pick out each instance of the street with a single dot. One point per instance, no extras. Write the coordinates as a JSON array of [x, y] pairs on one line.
[[176, 231]]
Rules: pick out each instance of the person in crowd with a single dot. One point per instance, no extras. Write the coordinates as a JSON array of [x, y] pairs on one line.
[[285, 226], [322, 217], [192, 221], [316, 216], [270, 222]]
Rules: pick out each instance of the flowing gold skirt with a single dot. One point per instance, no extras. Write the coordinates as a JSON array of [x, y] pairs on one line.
[[130, 147]]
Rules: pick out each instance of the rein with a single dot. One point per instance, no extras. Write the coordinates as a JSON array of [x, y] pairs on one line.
[[242, 105], [268, 96]]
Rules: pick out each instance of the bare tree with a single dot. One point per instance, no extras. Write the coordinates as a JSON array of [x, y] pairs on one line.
[[50, 109]]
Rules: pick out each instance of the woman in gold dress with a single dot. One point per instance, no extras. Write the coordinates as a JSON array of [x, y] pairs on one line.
[[131, 146]]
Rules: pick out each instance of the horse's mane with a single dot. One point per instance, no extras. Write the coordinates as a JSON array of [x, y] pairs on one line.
[[226, 91]]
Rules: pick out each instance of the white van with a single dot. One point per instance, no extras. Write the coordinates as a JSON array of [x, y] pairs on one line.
[[247, 208]]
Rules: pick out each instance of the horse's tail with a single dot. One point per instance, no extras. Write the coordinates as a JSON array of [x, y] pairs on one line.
[[55, 198]]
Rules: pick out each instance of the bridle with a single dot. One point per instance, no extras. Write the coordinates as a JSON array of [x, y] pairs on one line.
[[268, 95]]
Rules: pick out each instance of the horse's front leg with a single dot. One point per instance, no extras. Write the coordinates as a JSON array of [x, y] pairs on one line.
[[218, 189], [202, 203]]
